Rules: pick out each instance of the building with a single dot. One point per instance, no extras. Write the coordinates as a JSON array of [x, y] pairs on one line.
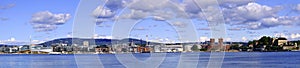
[[102, 49], [221, 42], [86, 43], [211, 44], [157, 48], [281, 41], [188, 48], [172, 48], [146, 49]]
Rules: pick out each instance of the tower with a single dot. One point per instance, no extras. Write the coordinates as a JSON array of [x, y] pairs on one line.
[[146, 40], [212, 42], [220, 41]]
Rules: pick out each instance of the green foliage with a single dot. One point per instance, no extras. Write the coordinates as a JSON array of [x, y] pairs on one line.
[[265, 40], [195, 48], [203, 49], [250, 42], [244, 47], [142, 45], [234, 47]]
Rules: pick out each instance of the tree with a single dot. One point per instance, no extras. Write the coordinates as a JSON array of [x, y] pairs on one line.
[[244, 48], [234, 47], [250, 42], [203, 49], [265, 40], [195, 48], [142, 45]]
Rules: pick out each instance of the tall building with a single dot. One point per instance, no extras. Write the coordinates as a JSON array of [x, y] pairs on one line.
[[212, 42], [220, 42]]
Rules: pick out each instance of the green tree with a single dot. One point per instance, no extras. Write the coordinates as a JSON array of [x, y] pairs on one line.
[[265, 40], [195, 48], [203, 49], [234, 47], [250, 42], [244, 48]]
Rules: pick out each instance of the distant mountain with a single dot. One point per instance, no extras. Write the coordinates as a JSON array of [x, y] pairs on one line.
[[80, 41], [2, 45]]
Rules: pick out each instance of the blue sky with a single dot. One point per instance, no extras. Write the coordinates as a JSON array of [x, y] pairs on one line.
[[45, 20]]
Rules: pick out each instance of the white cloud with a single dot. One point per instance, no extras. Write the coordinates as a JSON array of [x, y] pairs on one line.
[[162, 15], [195, 12], [297, 8], [135, 14], [272, 22], [147, 5], [234, 29], [281, 35], [7, 6], [11, 39], [179, 24], [249, 12], [244, 13], [158, 18], [36, 41], [233, 3], [139, 28], [159, 10], [244, 39], [3, 7], [203, 29], [115, 4], [69, 36], [3, 19], [191, 7], [107, 13], [47, 21], [96, 36], [228, 39], [255, 16], [282, 20], [203, 39], [254, 25], [101, 12], [295, 36], [164, 40]]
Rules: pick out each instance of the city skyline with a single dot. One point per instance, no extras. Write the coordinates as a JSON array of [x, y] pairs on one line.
[[51, 19]]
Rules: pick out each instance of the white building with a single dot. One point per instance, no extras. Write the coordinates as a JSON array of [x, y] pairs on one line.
[[172, 48]]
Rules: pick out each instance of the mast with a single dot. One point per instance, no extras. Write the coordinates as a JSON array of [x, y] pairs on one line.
[[30, 45], [146, 40]]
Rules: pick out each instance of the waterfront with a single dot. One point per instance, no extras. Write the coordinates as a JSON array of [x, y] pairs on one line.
[[231, 60]]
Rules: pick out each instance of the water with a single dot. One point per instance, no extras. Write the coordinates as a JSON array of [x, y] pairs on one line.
[[231, 60]]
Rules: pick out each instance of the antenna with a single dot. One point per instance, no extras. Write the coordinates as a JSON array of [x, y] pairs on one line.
[[146, 40], [30, 45], [30, 40]]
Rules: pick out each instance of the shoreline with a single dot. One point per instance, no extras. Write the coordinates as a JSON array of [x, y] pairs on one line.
[[154, 52]]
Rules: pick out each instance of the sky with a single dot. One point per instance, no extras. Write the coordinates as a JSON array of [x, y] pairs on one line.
[[161, 20]]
